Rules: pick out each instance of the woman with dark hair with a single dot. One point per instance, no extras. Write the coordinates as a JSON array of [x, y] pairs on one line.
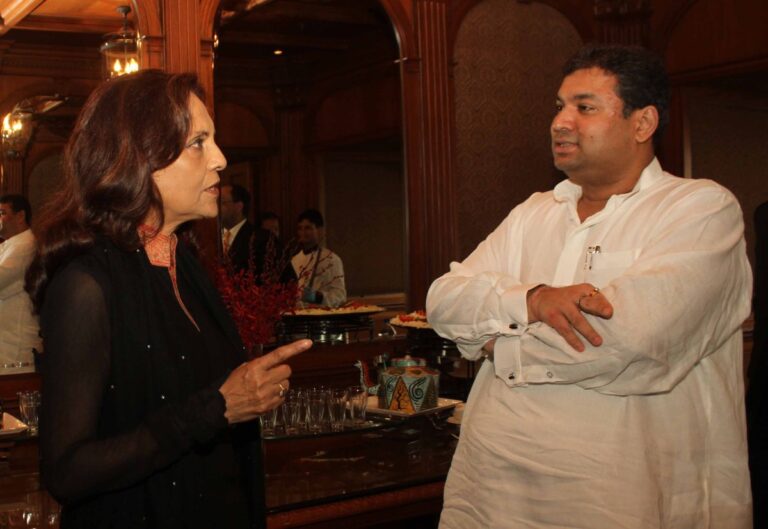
[[143, 377]]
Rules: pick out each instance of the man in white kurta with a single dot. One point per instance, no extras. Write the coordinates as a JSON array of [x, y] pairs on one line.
[[18, 325], [617, 408]]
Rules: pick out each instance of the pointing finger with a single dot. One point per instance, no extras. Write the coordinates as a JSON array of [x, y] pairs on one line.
[[282, 354]]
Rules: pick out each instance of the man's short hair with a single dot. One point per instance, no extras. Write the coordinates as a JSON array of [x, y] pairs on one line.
[[269, 215], [313, 216], [18, 203], [241, 194], [641, 77]]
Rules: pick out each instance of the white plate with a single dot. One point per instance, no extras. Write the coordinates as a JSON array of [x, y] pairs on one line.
[[442, 404], [12, 425]]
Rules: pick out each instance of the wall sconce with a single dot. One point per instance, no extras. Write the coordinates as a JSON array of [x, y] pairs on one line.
[[16, 133], [121, 50]]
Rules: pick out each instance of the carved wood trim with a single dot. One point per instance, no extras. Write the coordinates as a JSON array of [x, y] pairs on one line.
[[668, 27], [67, 25], [63, 87], [389, 506], [147, 17], [14, 11], [153, 53], [182, 35], [208, 10], [402, 24]]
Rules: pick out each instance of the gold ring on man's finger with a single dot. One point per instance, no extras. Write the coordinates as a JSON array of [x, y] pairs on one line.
[[282, 390]]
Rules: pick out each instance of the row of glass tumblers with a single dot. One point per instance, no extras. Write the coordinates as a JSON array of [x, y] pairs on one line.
[[316, 410]]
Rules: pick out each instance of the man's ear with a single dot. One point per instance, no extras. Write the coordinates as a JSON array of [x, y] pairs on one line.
[[646, 122]]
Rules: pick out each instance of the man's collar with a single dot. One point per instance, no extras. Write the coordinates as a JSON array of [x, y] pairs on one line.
[[568, 191], [234, 229], [16, 234]]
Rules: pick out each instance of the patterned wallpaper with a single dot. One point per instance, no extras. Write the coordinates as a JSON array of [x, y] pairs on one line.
[[508, 58]]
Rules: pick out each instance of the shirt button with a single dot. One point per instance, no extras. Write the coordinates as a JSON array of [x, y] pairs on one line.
[[549, 374], [162, 397], [513, 326], [183, 357], [511, 376]]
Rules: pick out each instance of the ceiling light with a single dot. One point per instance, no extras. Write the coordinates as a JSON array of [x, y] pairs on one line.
[[121, 50]]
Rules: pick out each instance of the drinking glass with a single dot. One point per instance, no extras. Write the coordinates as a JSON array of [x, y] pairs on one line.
[[337, 408], [302, 396], [269, 422], [29, 406], [291, 410], [317, 403], [358, 402]]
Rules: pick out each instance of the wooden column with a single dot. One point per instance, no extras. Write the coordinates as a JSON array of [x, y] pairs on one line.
[[181, 26], [428, 110], [13, 175]]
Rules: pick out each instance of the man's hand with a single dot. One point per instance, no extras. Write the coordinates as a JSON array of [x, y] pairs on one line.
[[561, 308]]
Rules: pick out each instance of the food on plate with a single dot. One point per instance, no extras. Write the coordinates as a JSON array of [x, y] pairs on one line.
[[351, 307], [416, 319]]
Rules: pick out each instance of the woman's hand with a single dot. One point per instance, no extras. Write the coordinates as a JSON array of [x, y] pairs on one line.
[[259, 385]]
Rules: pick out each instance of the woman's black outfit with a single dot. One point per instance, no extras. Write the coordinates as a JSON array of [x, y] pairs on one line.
[[132, 431]]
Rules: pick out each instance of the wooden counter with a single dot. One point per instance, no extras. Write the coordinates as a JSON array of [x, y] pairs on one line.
[[369, 479]]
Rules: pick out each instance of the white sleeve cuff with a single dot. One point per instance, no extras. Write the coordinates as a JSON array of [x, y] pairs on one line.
[[506, 360], [514, 301]]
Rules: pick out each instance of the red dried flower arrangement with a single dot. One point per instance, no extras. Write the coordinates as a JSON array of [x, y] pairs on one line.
[[258, 301]]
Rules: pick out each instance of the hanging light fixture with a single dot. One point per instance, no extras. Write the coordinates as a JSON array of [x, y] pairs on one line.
[[16, 133], [121, 50]]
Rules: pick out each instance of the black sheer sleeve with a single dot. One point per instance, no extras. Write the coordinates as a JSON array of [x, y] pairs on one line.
[[77, 462]]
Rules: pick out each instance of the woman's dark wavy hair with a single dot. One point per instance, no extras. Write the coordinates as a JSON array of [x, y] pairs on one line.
[[129, 128], [641, 77]]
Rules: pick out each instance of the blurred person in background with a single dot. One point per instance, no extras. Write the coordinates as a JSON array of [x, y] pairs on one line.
[[19, 335]]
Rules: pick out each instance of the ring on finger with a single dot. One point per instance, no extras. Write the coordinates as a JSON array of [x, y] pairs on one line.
[[282, 390], [594, 292]]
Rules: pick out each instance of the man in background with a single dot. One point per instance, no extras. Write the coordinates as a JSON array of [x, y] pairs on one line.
[[271, 222], [241, 241], [18, 326], [610, 310], [320, 271]]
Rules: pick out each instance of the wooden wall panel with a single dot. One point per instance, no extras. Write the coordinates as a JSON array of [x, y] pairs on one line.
[[12, 176], [364, 110], [719, 33]]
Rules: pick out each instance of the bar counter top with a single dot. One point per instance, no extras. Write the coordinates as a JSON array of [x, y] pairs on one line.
[[358, 479]]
